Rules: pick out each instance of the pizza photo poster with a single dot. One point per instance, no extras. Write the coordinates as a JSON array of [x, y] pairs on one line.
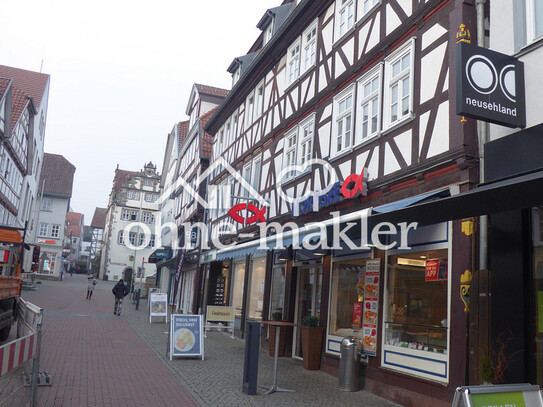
[[370, 311], [186, 335]]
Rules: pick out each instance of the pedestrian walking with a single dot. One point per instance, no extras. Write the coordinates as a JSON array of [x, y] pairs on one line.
[[120, 290], [90, 286]]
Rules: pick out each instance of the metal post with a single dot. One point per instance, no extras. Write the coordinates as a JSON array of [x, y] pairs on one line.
[[36, 363]]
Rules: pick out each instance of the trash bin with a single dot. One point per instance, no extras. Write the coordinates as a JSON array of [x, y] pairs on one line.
[[349, 365]]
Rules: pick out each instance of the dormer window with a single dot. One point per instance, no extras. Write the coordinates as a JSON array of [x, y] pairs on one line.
[[268, 32], [236, 75]]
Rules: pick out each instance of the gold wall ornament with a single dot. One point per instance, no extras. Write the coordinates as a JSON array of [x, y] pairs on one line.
[[465, 284]]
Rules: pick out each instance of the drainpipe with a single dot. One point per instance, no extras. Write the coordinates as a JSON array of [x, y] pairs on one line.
[[482, 132]]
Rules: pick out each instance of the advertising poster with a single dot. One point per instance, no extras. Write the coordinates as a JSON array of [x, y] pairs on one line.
[[371, 307], [158, 305], [357, 314], [498, 399], [436, 270], [186, 336]]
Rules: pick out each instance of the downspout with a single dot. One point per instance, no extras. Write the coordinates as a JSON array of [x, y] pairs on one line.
[[482, 132]]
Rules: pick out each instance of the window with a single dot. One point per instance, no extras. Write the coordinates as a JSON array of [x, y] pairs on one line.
[[369, 94], [255, 176], [342, 132], [367, 5], [247, 178], [398, 85], [289, 153], [151, 241], [133, 215], [534, 20], [132, 195], [141, 239], [46, 204], [344, 17], [250, 109], [148, 182], [55, 230], [132, 238], [120, 238], [43, 229], [125, 214], [151, 197], [305, 152], [309, 47], [259, 100], [227, 139], [234, 127], [147, 217], [74, 240], [293, 62], [236, 298], [268, 32]]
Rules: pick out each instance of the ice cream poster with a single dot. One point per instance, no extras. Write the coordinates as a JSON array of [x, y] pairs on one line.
[[186, 336]]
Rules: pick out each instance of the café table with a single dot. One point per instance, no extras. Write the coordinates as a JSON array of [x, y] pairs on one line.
[[278, 325]]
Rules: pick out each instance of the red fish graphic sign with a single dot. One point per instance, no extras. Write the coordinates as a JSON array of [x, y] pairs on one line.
[[257, 214]]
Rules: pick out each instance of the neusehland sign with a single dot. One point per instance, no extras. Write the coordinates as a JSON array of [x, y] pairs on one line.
[[490, 86]]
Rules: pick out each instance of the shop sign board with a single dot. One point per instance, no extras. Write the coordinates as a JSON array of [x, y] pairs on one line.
[[371, 307], [186, 336], [505, 395], [490, 86], [158, 305]]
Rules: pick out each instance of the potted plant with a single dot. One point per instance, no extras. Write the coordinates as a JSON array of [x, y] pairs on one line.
[[276, 316], [312, 333]]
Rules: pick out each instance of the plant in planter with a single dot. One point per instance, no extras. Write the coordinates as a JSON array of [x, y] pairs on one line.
[[276, 316], [312, 333]]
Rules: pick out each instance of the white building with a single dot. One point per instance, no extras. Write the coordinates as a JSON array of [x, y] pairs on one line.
[[55, 193], [133, 202]]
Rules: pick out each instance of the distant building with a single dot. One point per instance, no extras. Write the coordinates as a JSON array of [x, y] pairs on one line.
[[133, 199], [24, 99], [74, 241], [97, 227], [56, 184]]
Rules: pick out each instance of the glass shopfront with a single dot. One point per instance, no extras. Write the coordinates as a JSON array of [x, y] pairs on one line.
[[537, 295], [256, 288], [238, 283], [277, 297]]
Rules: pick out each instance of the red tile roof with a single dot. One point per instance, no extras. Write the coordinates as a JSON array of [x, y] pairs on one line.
[[210, 90], [4, 84], [207, 142], [99, 218], [19, 100], [74, 218], [183, 130], [57, 176], [73, 231], [121, 176], [30, 82]]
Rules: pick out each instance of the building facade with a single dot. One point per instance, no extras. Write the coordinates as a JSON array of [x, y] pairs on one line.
[[129, 234], [97, 226]]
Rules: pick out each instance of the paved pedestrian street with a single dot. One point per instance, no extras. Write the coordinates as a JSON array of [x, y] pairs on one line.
[[98, 359]]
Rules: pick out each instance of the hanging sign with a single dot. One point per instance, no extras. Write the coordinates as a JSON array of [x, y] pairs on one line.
[[186, 336], [371, 307], [489, 86]]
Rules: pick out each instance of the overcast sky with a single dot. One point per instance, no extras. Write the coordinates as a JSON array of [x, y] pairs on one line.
[[121, 74]]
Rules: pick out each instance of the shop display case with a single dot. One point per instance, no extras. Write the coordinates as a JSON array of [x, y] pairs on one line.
[[421, 337]]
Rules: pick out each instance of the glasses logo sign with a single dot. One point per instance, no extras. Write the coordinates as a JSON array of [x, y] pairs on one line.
[[490, 86]]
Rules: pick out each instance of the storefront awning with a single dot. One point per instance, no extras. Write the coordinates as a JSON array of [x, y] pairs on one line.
[[394, 206], [524, 191], [244, 251]]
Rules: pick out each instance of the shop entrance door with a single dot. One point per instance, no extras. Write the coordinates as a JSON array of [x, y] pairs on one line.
[[308, 299]]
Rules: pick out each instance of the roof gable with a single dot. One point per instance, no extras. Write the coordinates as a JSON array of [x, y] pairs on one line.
[[32, 83], [99, 218], [57, 175]]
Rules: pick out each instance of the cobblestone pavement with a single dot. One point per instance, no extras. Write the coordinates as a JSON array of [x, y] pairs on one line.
[[124, 362]]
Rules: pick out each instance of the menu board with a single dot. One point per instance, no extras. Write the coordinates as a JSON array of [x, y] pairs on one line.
[[370, 309], [186, 336], [219, 290]]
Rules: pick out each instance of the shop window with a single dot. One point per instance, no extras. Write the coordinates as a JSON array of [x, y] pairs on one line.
[[256, 290], [416, 305], [277, 297], [237, 288], [347, 292]]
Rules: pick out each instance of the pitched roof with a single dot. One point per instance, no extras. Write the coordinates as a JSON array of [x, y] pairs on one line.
[[207, 139], [73, 231], [183, 130], [30, 82], [121, 176], [74, 218], [210, 90], [57, 175], [99, 218], [19, 101], [4, 85]]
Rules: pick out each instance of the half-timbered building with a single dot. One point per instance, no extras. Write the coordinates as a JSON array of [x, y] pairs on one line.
[[347, 114]]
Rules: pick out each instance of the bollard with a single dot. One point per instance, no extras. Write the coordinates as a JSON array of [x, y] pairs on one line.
[[137, 293], [250, 366]]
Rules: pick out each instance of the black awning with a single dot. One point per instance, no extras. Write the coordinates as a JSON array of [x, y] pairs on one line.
[[520, 192]]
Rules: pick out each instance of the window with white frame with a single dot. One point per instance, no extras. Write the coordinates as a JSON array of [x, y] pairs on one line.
[[234, 131], [344, 17], [255, 174], [289, 152], [55, 230], [125, 214], [132, 195], [305, 151], [151, 197], [247, 177], [366, 6], [342, 128], [293, 62], [398, 85], [151, 241], [120, 238], [268, 32], [259, 95], [250, 109], [309, 46], [148, 182], [221, 140], [534, 20], [46, 204], [43, 229], [132, 238], [369, 112], [133, 215], [227, 136]]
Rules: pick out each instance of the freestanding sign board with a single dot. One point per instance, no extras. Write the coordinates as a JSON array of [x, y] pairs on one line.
[[490, 86], [218, 314], [158, 306], [505, 395], [186, 336]]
